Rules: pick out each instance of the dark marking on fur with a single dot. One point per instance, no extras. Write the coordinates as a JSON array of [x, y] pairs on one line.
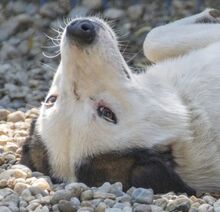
[[215, 13], [126, 73], [75, 91], [207, 20], [34, 153], [137, 167]]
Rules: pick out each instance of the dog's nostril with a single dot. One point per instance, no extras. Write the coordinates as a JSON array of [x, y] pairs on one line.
[[82, 31], [86, 27]]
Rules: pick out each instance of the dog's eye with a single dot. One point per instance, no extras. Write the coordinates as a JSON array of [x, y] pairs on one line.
[[107, 114], [51, 100]]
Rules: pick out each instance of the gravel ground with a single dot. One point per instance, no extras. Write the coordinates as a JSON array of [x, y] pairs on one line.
[[25, 76], [24, 190]]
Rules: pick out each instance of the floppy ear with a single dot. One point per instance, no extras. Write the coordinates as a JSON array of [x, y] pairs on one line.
[[34, 154], [157, 175]]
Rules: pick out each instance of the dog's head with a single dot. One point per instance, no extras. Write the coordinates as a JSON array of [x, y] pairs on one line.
[[96, 105]]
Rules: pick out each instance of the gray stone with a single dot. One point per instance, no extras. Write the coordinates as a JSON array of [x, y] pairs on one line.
[[5, 101], [95, 202], [23, 168], [23, 203], [105, 187], [205, 208], [217, 209], [12, 26], [20, 187], [135, 11], [130, 190], [11, 200], [162, 202], [92, 4], [86, 209], [3, 114], [109, 202], [17, 7], [101, 207], [36, 190], [141, 195], [113, 210], [181, 204], [102, 195], [155, 208], [124, 198], [76, 188], [114, 13], [116, 189], [5, 192], [209, 199], [4, 209], [55, 208], [86, 203], [142, 208], [16, 117], [42, 209], [86, 195], [119, 205], [15, 173], [66, 206], [75, 202], [37, 174], [127, 209], [78, 11], [45, 200], [60, 195], [50, 10], [217, 203], [26, 195], [32, 206]]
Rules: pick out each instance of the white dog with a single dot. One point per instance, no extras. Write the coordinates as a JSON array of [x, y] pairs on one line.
[[161, 129]]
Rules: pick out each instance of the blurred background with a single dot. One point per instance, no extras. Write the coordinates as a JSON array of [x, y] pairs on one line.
[[29, 43]]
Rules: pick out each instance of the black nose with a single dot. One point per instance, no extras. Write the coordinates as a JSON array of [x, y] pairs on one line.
[[82, 31]]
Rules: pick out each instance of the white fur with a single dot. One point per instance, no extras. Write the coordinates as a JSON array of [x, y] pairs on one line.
[[177, 102]]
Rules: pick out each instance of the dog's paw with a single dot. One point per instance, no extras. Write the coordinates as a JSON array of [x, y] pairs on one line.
[[209, 16]]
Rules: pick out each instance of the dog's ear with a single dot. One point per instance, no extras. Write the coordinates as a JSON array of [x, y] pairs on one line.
[[34, 153], [157, 175]]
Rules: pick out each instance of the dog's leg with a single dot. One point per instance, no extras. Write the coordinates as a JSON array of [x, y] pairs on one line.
[[182, 36]]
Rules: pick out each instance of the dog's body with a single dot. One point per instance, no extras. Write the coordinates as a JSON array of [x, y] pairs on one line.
[[100, 108]]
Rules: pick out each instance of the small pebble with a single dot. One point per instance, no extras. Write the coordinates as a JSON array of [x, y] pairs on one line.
[[4, 209], [141, 195], [41, 183], [113, 210], [60, 195], [16, 116], [86, 195], [15, 173], [66, 206], [205, 208], [3, 114], [85, 209], [20, 187]]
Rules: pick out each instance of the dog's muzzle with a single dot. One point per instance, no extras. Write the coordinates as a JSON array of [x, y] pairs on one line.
[[81, 31]]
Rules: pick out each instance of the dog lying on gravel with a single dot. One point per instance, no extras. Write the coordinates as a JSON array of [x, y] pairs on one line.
[[161, 129]]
